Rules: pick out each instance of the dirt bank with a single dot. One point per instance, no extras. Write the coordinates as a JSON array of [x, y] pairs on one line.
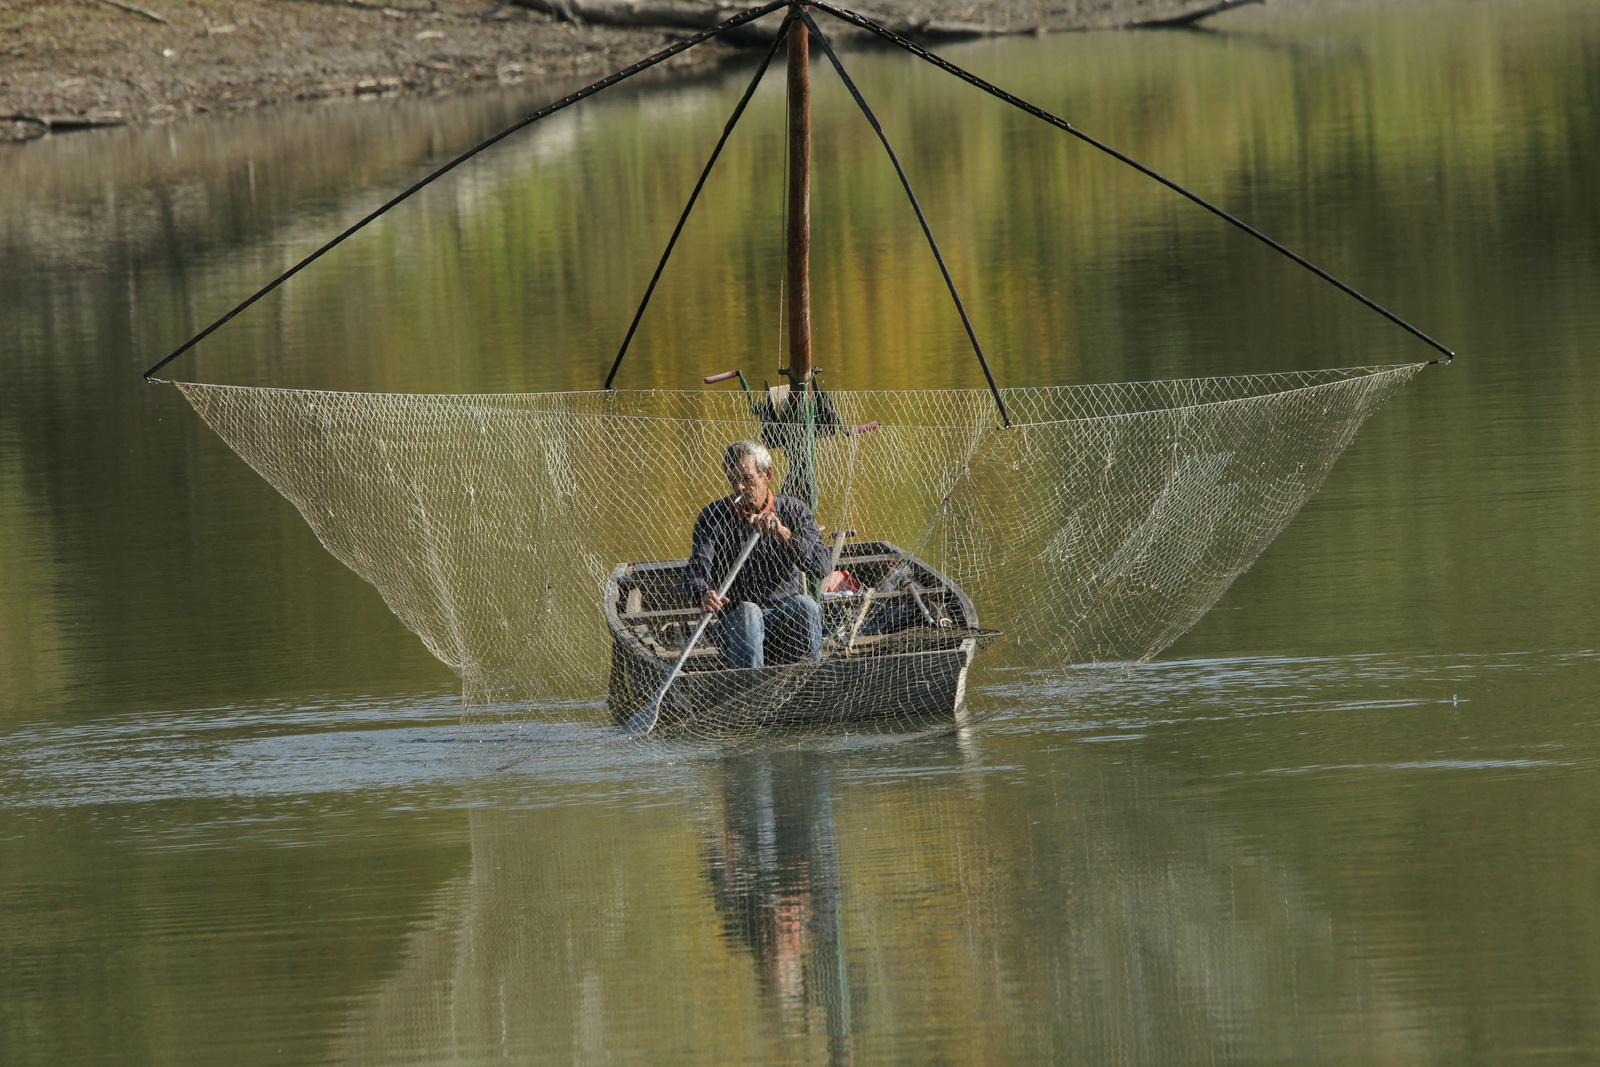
[[71, 64]]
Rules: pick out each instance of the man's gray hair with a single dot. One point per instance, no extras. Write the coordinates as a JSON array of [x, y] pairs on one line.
[[733, 457]]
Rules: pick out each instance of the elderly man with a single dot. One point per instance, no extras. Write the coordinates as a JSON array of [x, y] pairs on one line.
[[766, 617]]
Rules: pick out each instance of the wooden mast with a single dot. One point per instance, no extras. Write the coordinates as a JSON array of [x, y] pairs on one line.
[[801, 480], [799, 236]]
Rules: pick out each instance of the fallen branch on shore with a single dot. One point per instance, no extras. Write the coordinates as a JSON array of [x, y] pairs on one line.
[[132, 10], [365, 6], [670, 14], [1179, 21], [698, 14], [68, 122]]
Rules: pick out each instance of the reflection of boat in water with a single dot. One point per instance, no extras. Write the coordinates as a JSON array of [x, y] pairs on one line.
[[774, 873], [796, 907], [902, 651]]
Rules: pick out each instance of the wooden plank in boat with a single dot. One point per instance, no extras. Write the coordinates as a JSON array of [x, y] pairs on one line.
[[858, 560], [694, 612], [665, 613]]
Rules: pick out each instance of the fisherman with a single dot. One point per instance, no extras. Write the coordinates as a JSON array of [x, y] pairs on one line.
[[766, 616]]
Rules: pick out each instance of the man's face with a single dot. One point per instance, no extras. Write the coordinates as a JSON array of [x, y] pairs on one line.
[[749, 483]]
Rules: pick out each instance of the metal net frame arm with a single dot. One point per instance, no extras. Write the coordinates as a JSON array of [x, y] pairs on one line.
[[905, 183], [672, 242], [865, 23], [739, 19], [799, 13], [749, 15]]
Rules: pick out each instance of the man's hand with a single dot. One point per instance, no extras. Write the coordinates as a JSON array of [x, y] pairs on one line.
[[770, 525], [710, 601]]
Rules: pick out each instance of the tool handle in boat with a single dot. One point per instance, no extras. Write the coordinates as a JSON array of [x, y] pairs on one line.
[[644, 720], [916, 594]]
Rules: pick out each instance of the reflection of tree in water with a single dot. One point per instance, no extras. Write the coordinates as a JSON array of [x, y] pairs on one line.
[[774, 873]]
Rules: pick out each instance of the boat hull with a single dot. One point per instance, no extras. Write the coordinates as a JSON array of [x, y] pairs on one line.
[[908, 663], [909, 685]]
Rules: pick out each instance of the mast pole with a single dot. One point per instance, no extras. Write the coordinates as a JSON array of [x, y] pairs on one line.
[[799, 236], [802, 480]]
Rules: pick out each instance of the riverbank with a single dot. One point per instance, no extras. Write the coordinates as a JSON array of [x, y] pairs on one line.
[[86, 63]]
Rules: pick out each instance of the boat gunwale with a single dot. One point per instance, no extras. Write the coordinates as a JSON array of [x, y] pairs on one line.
[[624, 634]]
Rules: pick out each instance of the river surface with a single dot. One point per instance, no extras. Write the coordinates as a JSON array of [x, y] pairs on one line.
[[1352, 817]]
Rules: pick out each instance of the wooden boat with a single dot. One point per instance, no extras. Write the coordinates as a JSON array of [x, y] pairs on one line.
[[898, 648]]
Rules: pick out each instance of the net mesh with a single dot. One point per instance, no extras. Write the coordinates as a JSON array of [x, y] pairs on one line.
[[535, 541]]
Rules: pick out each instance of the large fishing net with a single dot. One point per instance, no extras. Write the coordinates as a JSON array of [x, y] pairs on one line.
[[535, 542]]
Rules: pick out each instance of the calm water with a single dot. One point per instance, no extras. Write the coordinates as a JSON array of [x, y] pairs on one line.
[[1354, 816]]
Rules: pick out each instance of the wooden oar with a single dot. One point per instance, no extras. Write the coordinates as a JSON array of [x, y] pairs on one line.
[[838, 546], [644, 720], [861, 617]]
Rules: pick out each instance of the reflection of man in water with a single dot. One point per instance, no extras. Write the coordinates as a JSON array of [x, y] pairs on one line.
[[774, 874], [765, 614]]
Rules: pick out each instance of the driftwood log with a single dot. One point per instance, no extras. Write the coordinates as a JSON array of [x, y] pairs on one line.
[[924, 21], [1189, 18], [64, 123], [698, 14], [670, 14]]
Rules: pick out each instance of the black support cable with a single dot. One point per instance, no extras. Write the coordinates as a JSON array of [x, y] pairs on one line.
[[915, 206], [684, 45], [672, 242], [948, 67]]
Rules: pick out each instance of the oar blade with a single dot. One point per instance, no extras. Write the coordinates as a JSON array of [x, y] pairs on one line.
[[644, 720], [641, 722]]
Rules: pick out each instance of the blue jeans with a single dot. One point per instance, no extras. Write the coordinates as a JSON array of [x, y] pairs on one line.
[[789, 632]]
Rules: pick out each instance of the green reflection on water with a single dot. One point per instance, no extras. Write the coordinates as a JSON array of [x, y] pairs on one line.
[[1385, 853]]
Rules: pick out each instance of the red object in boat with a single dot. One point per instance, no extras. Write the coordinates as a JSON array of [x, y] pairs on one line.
[[841, 582]]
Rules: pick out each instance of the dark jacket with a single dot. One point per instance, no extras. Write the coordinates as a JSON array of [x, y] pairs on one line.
[[772, 573]]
